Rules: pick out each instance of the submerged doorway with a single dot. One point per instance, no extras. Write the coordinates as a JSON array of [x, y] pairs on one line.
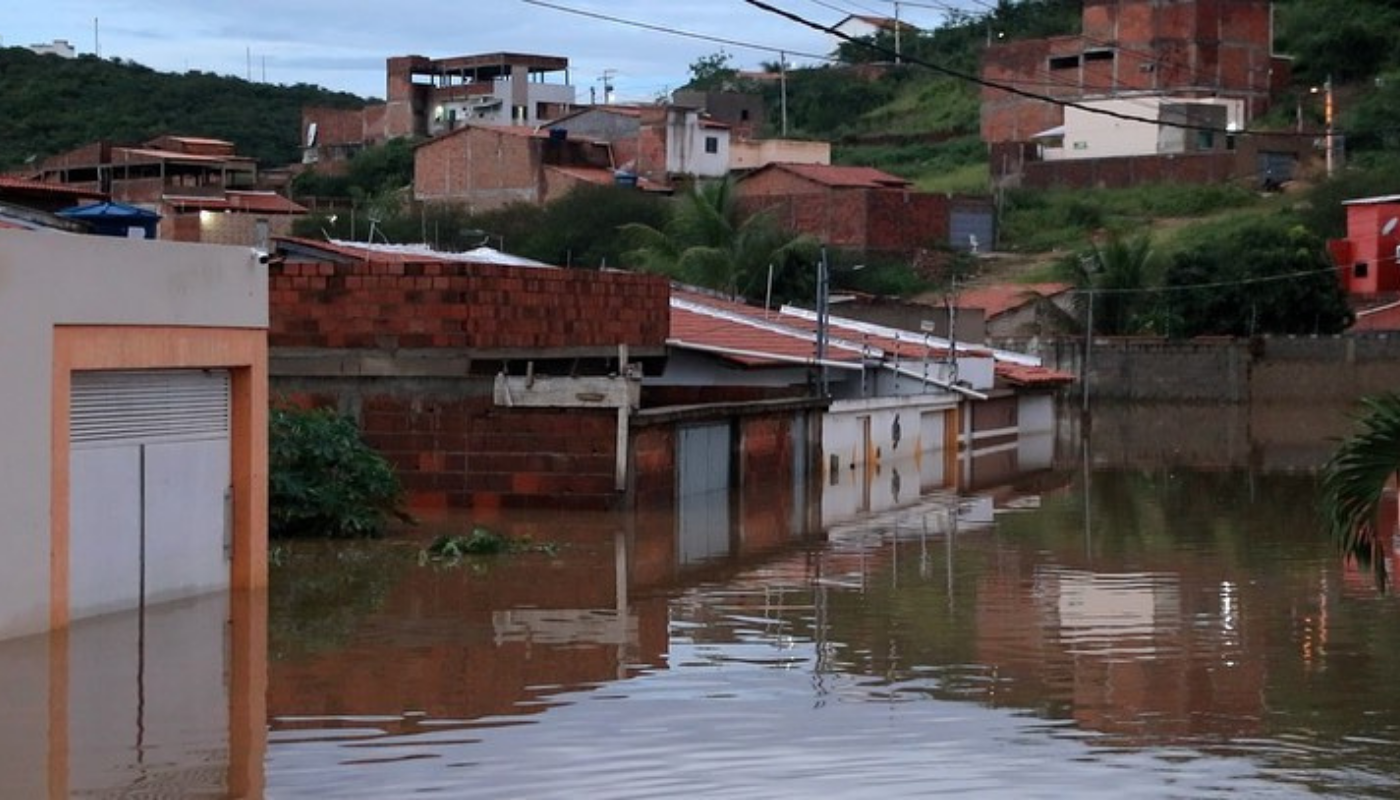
[[150, 494]]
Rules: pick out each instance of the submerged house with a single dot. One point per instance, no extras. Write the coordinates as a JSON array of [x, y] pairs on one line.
[[943, 414], [494, 383]]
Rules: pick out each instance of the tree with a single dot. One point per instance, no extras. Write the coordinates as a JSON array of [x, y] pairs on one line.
[[1263, 276], [707, 242], [1116, 275], [1355, 477], [712, 72]]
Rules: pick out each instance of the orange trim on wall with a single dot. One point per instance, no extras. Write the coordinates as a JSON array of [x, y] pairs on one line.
[[244, 353]]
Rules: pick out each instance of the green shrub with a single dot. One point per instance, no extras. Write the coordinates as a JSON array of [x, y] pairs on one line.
[[324, 480]]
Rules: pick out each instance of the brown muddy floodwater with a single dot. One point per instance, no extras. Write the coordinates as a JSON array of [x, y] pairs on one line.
[[1135, 629]]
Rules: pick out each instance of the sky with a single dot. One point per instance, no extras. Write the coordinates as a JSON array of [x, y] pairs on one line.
[[343, 44]]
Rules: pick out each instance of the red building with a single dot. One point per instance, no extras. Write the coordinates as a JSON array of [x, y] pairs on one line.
[[485, 167], [855, 208], [1366, 258]]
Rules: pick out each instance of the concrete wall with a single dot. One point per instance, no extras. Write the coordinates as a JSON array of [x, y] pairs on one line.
[[755, 153], [1274, 369], [49, 281]]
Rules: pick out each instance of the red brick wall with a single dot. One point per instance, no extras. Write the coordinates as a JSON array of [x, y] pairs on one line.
[[337, 126], [462, 305], [651, 145], [905, 221], [481, 167], [1195, 47], [453, 448], [887, 220]]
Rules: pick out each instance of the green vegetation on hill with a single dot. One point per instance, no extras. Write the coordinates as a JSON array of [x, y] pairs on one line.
[[53, 104]]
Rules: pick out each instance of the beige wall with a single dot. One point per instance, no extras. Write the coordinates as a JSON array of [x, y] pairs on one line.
[[757, 153], [49, 281]]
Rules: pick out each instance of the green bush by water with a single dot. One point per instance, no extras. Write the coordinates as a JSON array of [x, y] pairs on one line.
[[324, 480]]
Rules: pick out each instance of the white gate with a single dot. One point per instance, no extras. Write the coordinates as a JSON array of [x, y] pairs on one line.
[[149, 477]]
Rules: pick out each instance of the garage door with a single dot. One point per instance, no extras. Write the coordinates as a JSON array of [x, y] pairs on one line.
[[149, 477], [703, 493]]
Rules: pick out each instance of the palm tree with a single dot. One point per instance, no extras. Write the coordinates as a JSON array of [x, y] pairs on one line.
[[1113, 275], [708, 243], [1355, 477]]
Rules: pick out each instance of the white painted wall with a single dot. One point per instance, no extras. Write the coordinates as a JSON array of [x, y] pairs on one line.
[[1091, 135], [1095, 135], [49, 279], [685, 146]]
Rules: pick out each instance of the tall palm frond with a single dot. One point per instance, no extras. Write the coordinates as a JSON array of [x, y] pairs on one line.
[[1355, 477]]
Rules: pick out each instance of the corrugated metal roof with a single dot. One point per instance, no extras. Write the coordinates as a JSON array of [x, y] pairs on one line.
[[786, 335], [405, 253]]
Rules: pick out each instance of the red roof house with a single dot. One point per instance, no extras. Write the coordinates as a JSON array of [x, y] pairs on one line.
[[855, 208]]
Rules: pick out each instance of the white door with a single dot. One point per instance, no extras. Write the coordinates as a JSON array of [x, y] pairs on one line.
[[148, 487]]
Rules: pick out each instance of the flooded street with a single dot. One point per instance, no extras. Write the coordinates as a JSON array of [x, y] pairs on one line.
[[1095, 629]]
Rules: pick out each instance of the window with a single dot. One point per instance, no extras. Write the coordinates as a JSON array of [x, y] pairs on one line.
[[1360, 269], [1064, 62], [711, 144], [743, 115]]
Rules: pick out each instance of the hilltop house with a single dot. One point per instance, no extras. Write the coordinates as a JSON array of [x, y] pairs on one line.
[[864, 209], [1146, 92], [201, 188], [485, 167], [655, 143], [429, 97]]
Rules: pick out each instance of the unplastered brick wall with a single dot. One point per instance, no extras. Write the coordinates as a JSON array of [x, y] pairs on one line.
[[461, 305], [453, 448]]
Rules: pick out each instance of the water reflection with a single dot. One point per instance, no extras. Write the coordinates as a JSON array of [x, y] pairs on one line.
[[1149, 630], [165, 701]]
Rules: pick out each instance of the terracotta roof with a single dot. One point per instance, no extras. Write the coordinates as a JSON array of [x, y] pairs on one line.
[[1381, 318], [256, 202], [198, 140], [174, 155], [598, 175], [1021, 375], [998, 300], [43, 187], [842, 177]]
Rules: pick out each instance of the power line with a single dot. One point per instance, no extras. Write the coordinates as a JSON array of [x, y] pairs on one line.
[[1005, 87], [677, 31], [1211, 285]]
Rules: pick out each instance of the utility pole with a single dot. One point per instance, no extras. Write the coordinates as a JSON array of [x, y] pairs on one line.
[[782, 87], [823, 298], [896, 33], [1327, 114], [606, 79]]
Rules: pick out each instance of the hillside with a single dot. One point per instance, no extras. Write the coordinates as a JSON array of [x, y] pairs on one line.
[[916, 122], [54, 104]]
